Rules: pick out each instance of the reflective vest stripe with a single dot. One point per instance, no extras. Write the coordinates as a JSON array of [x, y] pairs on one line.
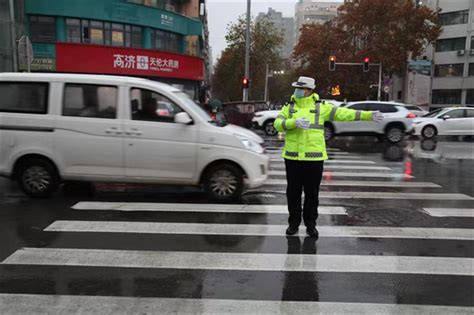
[[333, 114], [357, 115], [283, 124], [292, 154], [313, 155], [292, 110]]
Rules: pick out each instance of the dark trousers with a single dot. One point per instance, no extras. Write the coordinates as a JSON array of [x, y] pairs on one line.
[[303, 175]]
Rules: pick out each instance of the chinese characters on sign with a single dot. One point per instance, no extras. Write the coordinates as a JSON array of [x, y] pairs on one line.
[[145, 63]]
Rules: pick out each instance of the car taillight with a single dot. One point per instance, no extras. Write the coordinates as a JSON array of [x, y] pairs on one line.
[[411, 115]]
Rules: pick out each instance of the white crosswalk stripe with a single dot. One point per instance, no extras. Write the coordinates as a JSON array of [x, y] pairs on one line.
[[184, 207], [346, 167], [450, 212], [255, 229], [362, 183], [238, 261], [351, 174], [31, 304]]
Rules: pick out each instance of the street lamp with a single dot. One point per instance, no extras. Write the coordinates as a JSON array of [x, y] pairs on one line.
[[269, 74]]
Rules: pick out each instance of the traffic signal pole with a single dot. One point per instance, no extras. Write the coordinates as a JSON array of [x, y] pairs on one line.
[[245, 96], [379, 91]]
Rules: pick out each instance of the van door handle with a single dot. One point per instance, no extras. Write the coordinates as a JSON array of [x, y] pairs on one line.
[[113, 130], [135, 132]]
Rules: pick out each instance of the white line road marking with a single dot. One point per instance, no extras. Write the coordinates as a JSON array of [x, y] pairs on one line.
[[350, 174], [362, 183], [348, 167], [387, 195], [63, 304], [185, 207], [336, 161], [242, 261], [282, 162], [450, 212], [256, 230]]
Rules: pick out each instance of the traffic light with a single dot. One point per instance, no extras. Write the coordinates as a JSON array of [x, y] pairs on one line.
[[332, 63], [245, 83], [366, 64]]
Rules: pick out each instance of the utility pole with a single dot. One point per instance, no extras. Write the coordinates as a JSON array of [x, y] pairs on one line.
[[247, 53], [13, 36], [266, 84]]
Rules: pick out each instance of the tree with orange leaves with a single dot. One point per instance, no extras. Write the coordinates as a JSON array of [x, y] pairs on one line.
[[387, 31]]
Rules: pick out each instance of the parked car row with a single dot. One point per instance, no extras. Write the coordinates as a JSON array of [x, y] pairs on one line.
[[68, 127], [399, 119]]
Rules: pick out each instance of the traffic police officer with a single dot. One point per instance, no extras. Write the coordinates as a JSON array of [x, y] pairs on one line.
[[302, 120]]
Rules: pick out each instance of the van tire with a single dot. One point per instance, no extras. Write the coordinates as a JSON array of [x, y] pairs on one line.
[[224, 183], [38, 178]]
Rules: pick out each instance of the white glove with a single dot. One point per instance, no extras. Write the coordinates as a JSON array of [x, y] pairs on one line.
[[377, 117], [302, 123]]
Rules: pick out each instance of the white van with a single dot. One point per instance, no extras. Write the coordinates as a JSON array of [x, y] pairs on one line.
[[70, 127]]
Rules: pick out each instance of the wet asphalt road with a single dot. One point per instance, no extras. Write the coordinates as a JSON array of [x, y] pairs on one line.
[[396, 225]]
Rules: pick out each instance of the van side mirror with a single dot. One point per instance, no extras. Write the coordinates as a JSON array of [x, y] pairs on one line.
[[183, 118]]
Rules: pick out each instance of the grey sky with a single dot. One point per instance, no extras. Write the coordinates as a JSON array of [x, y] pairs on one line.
[[222, 12]]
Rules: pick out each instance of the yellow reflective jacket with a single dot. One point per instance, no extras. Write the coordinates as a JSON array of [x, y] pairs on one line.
[[309, 144]]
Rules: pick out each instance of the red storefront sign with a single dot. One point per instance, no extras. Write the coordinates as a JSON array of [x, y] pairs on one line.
[[79, 58]]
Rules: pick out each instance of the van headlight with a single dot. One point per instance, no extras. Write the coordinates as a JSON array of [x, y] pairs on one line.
[[250, 144]]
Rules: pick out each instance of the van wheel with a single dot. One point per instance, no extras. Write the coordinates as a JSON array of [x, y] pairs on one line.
[[224, 183], [38, 178], [269, 128]]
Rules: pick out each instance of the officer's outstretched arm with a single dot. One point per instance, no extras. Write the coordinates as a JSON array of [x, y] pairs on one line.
[[282, 122], [347, 114]]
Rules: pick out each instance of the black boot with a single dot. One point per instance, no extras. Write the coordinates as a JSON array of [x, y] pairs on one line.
[[291, 230], [312, 232]]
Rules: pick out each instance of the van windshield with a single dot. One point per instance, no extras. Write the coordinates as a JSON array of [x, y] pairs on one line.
[[192, 104]]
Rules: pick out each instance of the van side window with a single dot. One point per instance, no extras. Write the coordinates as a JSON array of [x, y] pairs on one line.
[[24, 97], [148, 105], [89, 100]]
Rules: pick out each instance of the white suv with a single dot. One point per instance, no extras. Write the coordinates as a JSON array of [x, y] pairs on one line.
[[264, 119], [397, 121], [69, 127]]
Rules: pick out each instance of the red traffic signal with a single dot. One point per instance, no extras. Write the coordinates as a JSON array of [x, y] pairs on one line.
[[245, 83], [366, 64], [332, 63]]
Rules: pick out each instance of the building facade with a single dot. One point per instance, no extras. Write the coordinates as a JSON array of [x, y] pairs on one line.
[[313, 11], [161, 40], [453, 55], [286, 26]]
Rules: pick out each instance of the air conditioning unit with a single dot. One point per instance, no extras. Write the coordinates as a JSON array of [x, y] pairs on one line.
[[471, 52], [461, 52], [170, 7]]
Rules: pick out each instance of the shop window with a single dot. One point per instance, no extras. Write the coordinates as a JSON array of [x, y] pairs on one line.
[[43, 29], [96, 32], [30, 98], [166, 41], [452, 18], [451, 44], [73, 30], [447, 97], [471, 70], [88, 100], [452, 70], [103, 33], [470, 99]]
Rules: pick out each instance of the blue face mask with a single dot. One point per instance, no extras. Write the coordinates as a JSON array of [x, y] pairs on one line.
[[299, 93]]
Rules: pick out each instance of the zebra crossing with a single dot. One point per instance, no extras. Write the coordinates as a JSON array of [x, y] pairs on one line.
[[155, 258]]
